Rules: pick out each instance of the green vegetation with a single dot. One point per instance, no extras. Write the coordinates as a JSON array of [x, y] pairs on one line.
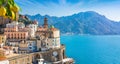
[[9, 9], [25, 20]]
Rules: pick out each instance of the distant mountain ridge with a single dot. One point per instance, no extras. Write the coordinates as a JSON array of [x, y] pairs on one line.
[[88, 22]]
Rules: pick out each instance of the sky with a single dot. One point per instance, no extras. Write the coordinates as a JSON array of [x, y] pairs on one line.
[[109, 8]]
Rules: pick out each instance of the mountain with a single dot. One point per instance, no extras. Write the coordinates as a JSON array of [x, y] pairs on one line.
[[88, 22]]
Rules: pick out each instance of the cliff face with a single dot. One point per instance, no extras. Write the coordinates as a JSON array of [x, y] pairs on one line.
[[82, 23]]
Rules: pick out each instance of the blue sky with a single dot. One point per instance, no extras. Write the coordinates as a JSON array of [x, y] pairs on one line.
[[109, 8]]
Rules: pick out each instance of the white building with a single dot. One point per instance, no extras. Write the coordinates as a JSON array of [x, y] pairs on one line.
[[1, 45], [13, 42], [33, 28], [21, 25], [32, 45], [40, 61], [30, 31], [27, 46], [4, 62], [53, 42], [54, 38], [12, 25]]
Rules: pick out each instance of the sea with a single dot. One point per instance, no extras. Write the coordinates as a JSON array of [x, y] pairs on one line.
[[91, 49]]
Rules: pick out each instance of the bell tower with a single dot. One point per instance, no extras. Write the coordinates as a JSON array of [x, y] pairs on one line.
[[45, 25]]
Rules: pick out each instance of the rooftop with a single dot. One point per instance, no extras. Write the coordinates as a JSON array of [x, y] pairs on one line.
[[2, 58], [2, 34], [12, 55], [53, 29]]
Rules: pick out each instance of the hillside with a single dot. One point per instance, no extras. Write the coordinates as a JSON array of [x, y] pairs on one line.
[[82, 23]]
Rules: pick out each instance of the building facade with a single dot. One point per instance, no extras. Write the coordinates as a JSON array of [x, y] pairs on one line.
[[21, 59], [28, 46], [4, 61], [16, 35], [33, 28], [2, 40], [12, 31], [33, 44]]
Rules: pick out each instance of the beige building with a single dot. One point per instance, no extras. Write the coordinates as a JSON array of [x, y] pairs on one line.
[[2, 52], [52, 56], [28, 46], [30, 31], [53, 42], [20, 59], [3, 60], [6, 51], [12, 32], [16, 35], [33, 28], [54, 37], [33, 45], [14, 29], [2, 40], [23, 48], [54, 32], [42, 31]]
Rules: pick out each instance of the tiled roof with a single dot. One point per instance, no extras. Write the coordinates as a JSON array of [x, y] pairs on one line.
[[53, 29], [2, 58], [35, 22]]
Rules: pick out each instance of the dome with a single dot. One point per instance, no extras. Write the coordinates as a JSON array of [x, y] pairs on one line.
[[52, 26]]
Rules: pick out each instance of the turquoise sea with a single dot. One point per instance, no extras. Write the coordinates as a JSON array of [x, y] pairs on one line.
[[86, 49]]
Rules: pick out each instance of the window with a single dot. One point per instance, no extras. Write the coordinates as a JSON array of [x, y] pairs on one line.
[[15, 62], [24, 34], [30, 44], [8, 35], [30, 47], [28, 59]]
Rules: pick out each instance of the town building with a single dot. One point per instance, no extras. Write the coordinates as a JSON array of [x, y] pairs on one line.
[[23, 48], [6, 50], [2, 40], [42, 31], [28, 46], [16, 35], [12, 24], [21, 25], [12, 31], [20, 59], [33, 28], [3, 60], [54, 37], [31, 44], [45, 25]]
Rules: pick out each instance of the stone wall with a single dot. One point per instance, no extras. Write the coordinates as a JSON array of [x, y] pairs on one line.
[[21, 59]]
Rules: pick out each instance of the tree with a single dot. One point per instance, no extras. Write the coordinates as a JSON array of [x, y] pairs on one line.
[[9, 9]]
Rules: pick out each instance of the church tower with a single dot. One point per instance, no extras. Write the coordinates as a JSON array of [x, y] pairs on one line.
[[45, 25]]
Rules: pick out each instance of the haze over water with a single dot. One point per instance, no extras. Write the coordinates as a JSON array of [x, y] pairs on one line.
[[93, 49]]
